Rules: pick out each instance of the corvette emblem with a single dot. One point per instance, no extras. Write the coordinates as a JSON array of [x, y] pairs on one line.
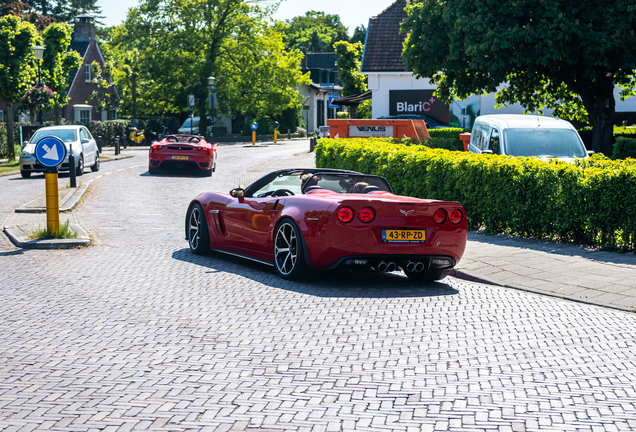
[[406, 212]]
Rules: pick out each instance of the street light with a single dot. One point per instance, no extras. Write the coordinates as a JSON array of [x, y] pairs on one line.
[[211, 98], [38, 53]]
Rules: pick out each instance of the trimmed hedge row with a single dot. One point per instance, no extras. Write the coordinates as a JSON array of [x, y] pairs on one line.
[[591, 201]]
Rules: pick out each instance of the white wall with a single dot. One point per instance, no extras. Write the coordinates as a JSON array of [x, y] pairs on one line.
[[380, 84]]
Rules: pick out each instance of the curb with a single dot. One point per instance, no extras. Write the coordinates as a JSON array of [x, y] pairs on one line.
[[66, 206], [114, 158], [19, 235], [464, 275]]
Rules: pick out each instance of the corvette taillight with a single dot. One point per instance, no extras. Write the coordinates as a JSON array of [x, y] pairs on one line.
[[205, 149], [366, 214], [439, 216], [345, 215], [456, 216]]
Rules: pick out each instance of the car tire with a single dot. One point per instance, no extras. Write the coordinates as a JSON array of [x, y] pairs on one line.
[[80, 166], [289, 256], [427, 275], [197, 230], [207, 173], [95, 166], [25, 174], [153, 171]]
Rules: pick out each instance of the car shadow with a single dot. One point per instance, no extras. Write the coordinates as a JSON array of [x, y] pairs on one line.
[[334, 283], [181, 173]]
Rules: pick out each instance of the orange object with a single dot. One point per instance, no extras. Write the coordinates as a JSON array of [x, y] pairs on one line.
[[465, 138], [378, 128]]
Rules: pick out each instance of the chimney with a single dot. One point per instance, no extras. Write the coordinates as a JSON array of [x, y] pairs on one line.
[[303, 64], [84, 27]]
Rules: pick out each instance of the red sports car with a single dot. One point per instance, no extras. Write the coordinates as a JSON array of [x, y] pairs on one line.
[[303, 219], [182, 151]]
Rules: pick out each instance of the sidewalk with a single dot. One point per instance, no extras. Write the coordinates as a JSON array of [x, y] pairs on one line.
[[559, 270]]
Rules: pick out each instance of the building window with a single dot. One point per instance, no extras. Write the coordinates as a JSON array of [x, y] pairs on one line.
[[87, 72], [85, 117], [1, 116]]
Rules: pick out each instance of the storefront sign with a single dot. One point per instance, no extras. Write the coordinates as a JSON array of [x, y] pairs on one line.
[[370, 131], [418, 102]]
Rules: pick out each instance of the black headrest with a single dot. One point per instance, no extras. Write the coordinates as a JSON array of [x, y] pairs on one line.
[[312, 187], [368, 189]]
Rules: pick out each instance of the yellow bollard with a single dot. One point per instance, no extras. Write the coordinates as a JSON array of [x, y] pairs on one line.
[[253, 137], [52, 202], [275, 135]]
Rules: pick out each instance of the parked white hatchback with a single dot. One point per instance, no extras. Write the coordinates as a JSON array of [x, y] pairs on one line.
[[526, 135], [84, 146]]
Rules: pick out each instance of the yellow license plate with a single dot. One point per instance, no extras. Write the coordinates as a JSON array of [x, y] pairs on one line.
[[179, 157], [404, 236]]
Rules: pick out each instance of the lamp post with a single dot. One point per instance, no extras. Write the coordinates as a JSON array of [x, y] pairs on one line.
[[38, 52], [211, 98]]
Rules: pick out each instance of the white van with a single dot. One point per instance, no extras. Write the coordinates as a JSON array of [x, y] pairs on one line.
[[526, 135], [191, 126]]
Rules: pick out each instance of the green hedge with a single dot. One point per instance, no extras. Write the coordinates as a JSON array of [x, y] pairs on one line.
[[624, 148], [591, 201]]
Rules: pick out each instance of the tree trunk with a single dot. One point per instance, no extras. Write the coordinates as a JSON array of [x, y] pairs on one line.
[[203, 121], [600, 105], [33, 116], [10, 142], [58, 116]]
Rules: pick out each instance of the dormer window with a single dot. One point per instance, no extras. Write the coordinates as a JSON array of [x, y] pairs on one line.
[[87, 72]]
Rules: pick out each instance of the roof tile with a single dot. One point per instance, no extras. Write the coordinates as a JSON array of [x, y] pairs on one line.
[[383, 49]]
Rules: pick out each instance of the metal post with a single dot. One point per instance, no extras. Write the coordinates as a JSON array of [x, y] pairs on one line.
[[275, 135], [288, 134], [99, 143], [116, 145], [253, 137], [71, 168], [52, 201]]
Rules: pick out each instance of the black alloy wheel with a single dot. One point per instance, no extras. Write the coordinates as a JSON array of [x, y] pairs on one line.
[[197, 229], [80, 166]]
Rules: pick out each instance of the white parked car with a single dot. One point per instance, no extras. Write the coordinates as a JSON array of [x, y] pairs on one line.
[[191, 126], [526, 135], [85, 149]]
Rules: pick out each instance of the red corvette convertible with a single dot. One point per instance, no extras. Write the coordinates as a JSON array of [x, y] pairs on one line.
[[303, 219], [182, 151]]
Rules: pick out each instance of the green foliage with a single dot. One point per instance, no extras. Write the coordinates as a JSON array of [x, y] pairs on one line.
[[105, 96], [315, 31], [342, 115], [359, 35], [65, 232], [558, 54], [624, 148], [349, 61], [590, 201], [365, 110]]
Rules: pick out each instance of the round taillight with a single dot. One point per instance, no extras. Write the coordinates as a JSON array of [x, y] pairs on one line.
[[456, 216], [205, 149], [154, 146], [439, 216], [345, 215], [366, 214]]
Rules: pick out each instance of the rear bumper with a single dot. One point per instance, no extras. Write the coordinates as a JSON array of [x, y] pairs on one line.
[[400, 260], [195, 162]]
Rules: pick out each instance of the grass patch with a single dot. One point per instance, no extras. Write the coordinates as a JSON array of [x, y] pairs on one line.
[[65, 232], [12, 166]]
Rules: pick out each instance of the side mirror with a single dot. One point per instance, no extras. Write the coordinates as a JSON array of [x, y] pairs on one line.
[[85, 141], [238, 193], [590, 152], [24, 144], [486, 151]]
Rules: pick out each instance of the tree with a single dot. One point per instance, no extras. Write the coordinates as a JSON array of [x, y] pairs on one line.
[[25, 12], [562, 54], [57, 62], [359, 35], [315, 31], [349, 61], [105, 95], [131, 80], [17, 70]]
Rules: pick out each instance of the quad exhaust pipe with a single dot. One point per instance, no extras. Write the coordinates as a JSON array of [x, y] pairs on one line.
[[414, 267], [389, 266]]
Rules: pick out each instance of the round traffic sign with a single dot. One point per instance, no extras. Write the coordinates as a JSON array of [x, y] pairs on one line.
[[276, 125], [50, 151], [254, 126]]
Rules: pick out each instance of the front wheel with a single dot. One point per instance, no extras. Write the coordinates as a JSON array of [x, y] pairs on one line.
[[289, 258], [25, 174], [197, 229]]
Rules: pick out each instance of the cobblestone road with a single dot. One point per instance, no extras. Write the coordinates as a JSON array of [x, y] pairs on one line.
[[136, 333]]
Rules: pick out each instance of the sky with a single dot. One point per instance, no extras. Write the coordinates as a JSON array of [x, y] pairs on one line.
[[352, 12]]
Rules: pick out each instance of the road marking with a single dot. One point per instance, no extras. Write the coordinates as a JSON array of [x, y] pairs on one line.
[[108, 173], [120, 169], [99, 176], [102, 213], [90, 180]]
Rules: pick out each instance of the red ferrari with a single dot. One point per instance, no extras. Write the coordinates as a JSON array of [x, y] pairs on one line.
[[182, 151], [303, 219]]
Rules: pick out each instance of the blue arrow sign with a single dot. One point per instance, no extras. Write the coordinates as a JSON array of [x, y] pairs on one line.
[[254, 126], [50, 151]]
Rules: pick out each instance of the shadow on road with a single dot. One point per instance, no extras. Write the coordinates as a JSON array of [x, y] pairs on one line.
[[342, 283]]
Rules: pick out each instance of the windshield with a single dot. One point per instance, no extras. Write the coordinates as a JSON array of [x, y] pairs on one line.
[[544, 143], [66, 135], [189, 121], [340, 183]]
